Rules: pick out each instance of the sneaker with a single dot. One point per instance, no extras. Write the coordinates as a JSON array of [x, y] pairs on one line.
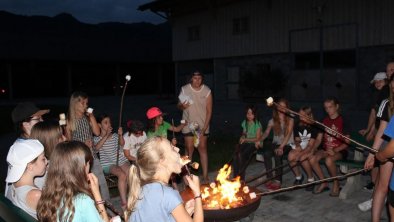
[[369, 186], [365, 206], [299, 182]]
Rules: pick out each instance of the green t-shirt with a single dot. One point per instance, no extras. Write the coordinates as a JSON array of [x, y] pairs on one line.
[[161, 131], [250, 130]]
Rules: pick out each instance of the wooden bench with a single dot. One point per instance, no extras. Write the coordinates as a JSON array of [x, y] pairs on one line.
[[10, 212], [353, 183], [112, 180]]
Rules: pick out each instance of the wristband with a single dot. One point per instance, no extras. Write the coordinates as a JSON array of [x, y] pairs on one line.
[[100, 202], [199, 196]]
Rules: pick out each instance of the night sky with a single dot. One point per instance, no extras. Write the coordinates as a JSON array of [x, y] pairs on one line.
[[87, 11]]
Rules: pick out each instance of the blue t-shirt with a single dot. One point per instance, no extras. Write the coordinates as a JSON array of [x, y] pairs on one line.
[[389, 131], [156, 203], [85, 209]]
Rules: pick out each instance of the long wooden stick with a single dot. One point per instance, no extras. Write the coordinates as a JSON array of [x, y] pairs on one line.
[[120, 116], [310, 183]]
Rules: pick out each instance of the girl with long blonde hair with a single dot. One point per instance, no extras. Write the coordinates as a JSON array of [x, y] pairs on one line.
[[150, 196]]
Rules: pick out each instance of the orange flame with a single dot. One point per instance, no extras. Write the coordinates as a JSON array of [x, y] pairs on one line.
[[223, 193]]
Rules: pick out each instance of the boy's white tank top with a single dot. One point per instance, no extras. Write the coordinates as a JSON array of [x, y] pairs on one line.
[[196, 112]]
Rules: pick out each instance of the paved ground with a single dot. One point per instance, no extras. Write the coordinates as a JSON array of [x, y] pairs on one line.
[[300, 205]]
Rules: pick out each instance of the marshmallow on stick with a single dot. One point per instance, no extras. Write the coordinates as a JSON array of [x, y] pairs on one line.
[[270, 101], [90, 110], [62, 121]]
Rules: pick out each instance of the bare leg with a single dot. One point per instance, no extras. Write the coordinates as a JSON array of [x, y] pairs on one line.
[[122, 183], [374, 174], [381, 188], [332, 170], [125, 168], [307, 166], [314, 161], [189, 147], [202, 149], [293, 158]]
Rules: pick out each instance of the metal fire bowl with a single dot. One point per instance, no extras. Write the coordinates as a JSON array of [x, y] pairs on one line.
[[227, 215]]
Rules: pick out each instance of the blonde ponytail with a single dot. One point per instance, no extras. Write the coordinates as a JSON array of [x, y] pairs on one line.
[[135, 188]]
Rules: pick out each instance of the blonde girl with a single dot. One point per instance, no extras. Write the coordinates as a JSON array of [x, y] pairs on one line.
[[150, 196]]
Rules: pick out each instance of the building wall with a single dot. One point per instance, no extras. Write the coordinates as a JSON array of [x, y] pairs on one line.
[[271, 21]]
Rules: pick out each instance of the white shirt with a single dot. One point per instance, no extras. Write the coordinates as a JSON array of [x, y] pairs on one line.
[[133, 143]]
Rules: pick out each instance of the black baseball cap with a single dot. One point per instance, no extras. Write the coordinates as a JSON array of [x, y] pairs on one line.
[[25, 110]]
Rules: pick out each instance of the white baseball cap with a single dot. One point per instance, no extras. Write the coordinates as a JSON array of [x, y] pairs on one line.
[[22, 152], [379, 76]]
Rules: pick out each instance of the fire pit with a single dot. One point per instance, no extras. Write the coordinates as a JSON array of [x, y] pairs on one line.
[[225, 200]]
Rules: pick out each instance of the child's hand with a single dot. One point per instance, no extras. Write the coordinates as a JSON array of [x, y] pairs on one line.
[[241, 140], [330, 152], [279, 151], [94, 186], [194, 183], [185, 105], [120, 131], [369, 162], [362, 132], [89, 143], [109, 131]]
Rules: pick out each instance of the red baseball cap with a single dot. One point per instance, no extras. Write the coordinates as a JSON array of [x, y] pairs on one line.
[[153, 112]]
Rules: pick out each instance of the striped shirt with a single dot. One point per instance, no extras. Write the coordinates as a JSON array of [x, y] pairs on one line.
[[83, 132], [108, 151]]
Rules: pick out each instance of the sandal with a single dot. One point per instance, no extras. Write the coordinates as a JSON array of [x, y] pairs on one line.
[[335, 193]]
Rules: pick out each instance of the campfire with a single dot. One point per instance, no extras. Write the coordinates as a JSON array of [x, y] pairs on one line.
[[226, 200], [225, 193]]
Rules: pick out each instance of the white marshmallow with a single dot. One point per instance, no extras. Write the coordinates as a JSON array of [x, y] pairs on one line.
[[252, 195], [62, 116], [270, 101], [90, 110]]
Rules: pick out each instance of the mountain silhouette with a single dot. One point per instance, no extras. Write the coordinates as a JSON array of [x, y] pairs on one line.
[[63, 37]]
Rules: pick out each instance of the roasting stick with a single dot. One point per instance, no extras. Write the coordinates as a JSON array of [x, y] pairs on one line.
[[270, 102], [310, 183], [271, 170], [128, 77], [173, 127]]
